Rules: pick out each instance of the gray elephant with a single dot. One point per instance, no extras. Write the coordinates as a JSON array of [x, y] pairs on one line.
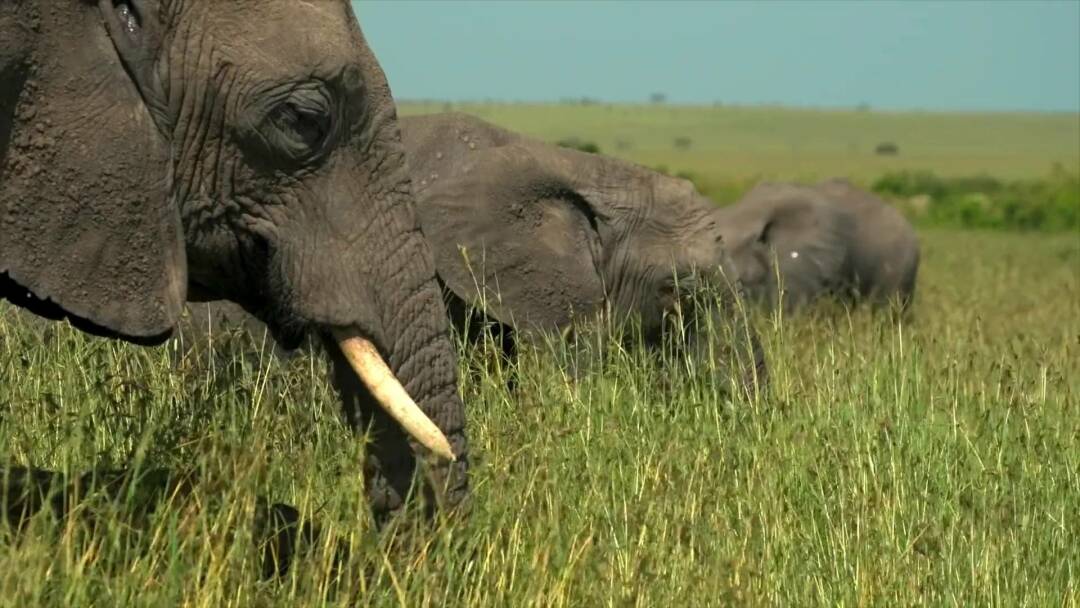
[[537, 235], [827, 239], [158, 150]]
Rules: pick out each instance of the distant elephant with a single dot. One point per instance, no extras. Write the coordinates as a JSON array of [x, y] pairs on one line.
[[828, 239], [536, 235], [158, 150]]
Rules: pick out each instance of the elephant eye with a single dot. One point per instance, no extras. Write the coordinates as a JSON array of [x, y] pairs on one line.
[[303, 129]]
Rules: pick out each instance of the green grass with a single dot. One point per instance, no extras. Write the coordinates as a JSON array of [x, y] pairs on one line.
[[1048, 204], [741, 144], [935, 462]]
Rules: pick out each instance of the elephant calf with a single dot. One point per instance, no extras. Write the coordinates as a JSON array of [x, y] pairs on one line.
[[827, 239]]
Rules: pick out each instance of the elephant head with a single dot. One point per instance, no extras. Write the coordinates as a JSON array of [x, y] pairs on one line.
[[245, 150], [782, 236], [536, 234], [829, 239]]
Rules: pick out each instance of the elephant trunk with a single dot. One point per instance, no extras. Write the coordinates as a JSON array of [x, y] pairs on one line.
[[396, 371]]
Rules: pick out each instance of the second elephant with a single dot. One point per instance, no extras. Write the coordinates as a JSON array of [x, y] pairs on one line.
[[537, 236]]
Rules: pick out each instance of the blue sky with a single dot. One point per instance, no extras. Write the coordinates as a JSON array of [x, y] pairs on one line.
[[953, 55]]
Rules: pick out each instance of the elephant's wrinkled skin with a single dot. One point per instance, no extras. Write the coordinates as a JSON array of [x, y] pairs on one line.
[[536, 235], [826, 239], [248, 150]]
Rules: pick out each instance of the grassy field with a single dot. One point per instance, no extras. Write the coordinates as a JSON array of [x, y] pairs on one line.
[[747, 143], [933, 462]]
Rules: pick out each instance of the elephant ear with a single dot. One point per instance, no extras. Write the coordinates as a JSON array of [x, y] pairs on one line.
[[87, 229], [513, 239], [808, 236]]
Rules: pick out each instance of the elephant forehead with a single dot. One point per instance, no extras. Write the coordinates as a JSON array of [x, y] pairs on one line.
[[281, 35]]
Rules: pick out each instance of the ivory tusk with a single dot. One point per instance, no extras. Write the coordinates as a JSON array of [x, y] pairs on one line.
[[389, 394]]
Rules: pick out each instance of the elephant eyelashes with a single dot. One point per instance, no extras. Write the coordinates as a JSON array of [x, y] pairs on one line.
[[302, 130], [299, 127]]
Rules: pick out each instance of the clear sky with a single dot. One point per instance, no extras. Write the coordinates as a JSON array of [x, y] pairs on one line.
[[952, 55]]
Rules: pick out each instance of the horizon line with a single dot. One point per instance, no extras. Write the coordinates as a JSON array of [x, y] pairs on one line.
[[862, 108]]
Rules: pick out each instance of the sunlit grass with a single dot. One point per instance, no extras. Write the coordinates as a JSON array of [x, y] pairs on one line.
[[935, 461]]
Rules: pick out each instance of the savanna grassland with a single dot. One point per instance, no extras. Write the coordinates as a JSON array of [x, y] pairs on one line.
[[738, 144], [930, 461]]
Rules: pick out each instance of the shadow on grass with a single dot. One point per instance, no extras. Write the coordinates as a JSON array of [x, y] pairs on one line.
[[131, 498]]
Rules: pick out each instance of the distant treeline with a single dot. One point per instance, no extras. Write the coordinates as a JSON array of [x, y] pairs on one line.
[[1051, 203]]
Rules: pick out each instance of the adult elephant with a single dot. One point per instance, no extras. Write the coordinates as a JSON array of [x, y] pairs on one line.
[[536, 235], [153, 150], [828, 239]]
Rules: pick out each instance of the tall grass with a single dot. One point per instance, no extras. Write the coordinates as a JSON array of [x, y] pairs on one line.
[[933, 461]]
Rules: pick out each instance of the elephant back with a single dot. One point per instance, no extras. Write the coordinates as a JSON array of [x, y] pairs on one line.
[[884, 247], [436, 144]]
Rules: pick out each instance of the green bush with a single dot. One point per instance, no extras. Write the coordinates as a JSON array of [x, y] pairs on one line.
[[575, 143], [1049, 204], [915, 183]]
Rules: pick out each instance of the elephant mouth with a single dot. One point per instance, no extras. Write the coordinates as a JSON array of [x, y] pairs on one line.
[[273, 299], [373, 372], [366, 362]]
